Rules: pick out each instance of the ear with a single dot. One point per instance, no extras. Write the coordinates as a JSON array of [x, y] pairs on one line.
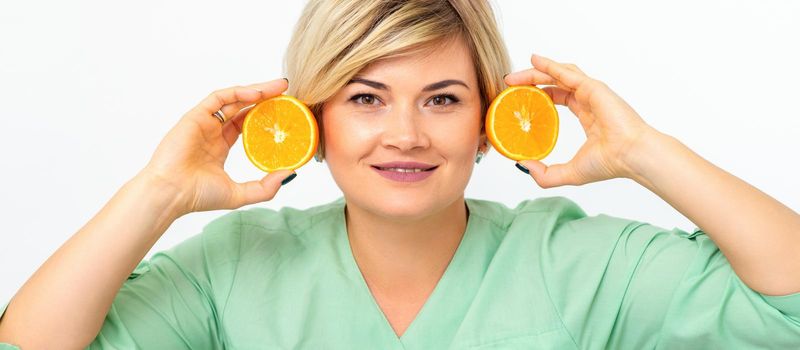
[[483, 142], [319, 156]]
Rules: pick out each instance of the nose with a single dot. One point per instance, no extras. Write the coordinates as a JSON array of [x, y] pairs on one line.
[[404, 130]]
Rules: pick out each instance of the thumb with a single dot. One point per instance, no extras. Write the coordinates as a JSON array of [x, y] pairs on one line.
[[262, 190], [550, 176]]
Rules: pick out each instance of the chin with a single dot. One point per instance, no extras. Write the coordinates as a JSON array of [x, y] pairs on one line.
[[410, 210], [405, 206]]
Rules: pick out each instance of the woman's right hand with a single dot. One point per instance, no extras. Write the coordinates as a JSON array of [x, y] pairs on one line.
[[190, 159]]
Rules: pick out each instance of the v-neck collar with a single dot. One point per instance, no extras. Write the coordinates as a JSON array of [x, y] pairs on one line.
[[436, 314]]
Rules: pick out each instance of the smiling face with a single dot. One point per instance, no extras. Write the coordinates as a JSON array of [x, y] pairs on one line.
[[402, 135]]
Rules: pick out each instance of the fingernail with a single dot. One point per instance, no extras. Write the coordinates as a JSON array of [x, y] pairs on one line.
[[287, 80], [504, 76], [522, 168], [288, 179]]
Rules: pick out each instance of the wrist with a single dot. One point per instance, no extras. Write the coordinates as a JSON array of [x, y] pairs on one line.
[[647, 155], [161, 194]]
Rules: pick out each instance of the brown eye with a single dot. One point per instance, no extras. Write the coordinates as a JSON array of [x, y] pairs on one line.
[[368, 99], [364, 99], [443, 100]]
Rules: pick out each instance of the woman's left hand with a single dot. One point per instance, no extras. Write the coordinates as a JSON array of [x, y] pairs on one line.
[[613, 129]]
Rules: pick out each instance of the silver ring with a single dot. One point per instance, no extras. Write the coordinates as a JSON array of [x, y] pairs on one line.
[[220, 116]]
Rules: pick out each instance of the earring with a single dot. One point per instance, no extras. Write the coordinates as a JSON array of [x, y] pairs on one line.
[[318, 154], [478, 157]]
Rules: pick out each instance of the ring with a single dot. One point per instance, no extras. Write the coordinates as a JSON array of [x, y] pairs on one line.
[[220, 116]]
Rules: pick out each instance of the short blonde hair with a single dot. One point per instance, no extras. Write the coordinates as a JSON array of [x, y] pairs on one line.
[[335, 39]]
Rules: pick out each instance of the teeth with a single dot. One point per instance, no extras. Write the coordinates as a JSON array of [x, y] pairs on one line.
[[403, 170]]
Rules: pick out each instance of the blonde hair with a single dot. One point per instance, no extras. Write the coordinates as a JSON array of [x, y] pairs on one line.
[[335, 39]]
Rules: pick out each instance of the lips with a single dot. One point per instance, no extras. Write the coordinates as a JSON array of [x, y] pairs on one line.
[[405, 171], [405, 166]]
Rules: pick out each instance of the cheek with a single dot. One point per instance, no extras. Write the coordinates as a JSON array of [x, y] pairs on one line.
[[457, 139], [346, 136]]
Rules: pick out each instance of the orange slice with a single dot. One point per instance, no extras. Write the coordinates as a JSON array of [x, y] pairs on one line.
[[279, 133], [522, 123]]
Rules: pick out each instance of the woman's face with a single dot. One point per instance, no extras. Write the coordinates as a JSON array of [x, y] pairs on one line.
[[402, 135]]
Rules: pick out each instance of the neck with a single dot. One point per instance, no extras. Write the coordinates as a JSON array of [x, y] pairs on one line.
[[394, 253]]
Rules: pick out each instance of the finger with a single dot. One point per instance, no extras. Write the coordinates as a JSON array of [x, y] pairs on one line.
[[573, 68], [252, 192], [233, 128], [530, 76], [235, 98], [565, 76], [560, 96], [567, 98], [235, 109], [550, 176], [230, 101]]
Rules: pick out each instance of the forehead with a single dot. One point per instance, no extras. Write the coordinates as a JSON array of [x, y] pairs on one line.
[[447, 60]]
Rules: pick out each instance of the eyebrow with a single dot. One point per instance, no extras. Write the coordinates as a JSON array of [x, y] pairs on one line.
[[435, 86]]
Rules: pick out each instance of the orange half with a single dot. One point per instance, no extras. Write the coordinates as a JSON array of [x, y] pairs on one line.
[[280, 133], [522, 123]]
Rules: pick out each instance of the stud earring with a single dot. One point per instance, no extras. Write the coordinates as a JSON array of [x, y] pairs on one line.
[[478, 157], [318, 157]]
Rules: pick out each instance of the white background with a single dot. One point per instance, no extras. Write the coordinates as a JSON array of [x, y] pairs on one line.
[[89, 88]]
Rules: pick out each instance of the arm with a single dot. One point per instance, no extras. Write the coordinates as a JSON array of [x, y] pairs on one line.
[[757, 234], [105, 251], [184, 175]]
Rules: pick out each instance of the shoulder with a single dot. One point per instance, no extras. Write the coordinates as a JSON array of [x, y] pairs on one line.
[[284, 220], [256, 231], [558, 211], [558, 223], [244, 240]]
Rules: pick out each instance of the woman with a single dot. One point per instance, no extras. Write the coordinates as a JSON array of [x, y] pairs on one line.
[[402, 86]]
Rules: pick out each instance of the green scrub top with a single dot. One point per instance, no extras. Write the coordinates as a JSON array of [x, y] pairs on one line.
[[541, 276]]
